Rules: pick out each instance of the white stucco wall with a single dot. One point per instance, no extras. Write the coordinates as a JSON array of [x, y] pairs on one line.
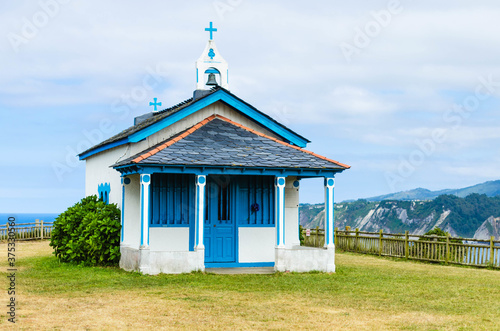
[[132, 213], [173, 239], [291, 213], [217, 108], [97, 171], [256, 244]]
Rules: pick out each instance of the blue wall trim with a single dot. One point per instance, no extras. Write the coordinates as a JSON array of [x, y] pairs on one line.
[[142, 214], [239, 265], [198, 211], [123, 209], [210, 170], [333, 212], [277, 221], [327, 218]]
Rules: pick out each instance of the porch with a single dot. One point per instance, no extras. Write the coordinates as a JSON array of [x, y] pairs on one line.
[[187, 222]]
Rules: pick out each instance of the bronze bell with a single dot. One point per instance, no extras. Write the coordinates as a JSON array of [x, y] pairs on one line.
[[211, 79]]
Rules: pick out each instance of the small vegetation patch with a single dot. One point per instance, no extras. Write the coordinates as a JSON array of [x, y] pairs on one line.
[[88, 233]]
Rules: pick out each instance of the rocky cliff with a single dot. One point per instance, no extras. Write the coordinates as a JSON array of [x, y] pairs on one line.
[[475, 216], [490, 227]]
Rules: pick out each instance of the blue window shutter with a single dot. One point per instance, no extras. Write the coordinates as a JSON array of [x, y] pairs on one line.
[[256, 201], [173, 200]]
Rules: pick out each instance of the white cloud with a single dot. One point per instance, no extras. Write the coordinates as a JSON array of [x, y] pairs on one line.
[[284, 58]]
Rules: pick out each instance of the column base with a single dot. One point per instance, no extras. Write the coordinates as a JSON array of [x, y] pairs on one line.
[[144, 260], [200, 257], [280, 257]]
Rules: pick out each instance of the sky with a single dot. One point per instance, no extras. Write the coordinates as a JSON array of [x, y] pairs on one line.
[[405, 92]]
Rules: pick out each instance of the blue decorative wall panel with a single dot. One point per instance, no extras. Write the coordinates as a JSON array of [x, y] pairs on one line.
[[172, 200], [255, 200]]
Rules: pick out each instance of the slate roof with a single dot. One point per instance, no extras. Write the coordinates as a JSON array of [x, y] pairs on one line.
[[162, 114], [218, 141]]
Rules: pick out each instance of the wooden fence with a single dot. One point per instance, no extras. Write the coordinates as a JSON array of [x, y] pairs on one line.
[[464, 251], [314, 237], [27, 231]]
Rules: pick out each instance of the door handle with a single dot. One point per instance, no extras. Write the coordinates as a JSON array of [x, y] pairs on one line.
[[214, 225]]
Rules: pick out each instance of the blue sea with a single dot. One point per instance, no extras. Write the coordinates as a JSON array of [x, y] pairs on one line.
[[27, 218]]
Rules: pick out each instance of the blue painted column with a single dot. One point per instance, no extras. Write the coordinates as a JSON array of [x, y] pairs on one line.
[[125, 181], [145, 184], [329, 213], [296, 185], [279, 184], [201, 182]]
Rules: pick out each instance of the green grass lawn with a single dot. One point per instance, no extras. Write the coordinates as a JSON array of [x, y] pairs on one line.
[[365, 293]]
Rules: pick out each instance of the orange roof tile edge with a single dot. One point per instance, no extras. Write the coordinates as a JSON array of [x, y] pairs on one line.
[[282, 142], [212, 117]]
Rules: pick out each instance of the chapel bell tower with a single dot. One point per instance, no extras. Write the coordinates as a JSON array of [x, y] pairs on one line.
[[211, 68]]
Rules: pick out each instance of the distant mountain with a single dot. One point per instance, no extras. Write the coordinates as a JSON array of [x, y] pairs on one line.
[[491, 189], [475, 216]]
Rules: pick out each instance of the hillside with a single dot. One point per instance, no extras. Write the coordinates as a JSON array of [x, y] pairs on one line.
[[491, 189], [476, 215]]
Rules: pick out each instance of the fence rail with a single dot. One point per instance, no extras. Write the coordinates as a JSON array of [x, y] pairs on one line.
[[463, 251], [27, 231]]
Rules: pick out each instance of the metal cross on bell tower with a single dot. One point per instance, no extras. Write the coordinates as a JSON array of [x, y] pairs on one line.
[[211, 29]]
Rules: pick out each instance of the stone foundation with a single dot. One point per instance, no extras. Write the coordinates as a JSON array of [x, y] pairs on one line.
[[304, 259], [298, 259], [155, 262]]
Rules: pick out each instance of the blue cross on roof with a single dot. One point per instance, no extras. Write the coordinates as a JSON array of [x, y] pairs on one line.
[[155, 103], [211, 30]]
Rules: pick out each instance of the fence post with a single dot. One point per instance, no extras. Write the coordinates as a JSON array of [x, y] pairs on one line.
[[356, 247], [316, 243], [347, 238], [7, 230], [447, 252], [41, 230], [380, 242], [492, 253], [407, 244]]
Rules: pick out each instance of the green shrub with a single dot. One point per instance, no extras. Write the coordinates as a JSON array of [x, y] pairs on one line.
[[437, 232], [440, 233], [88, 233]]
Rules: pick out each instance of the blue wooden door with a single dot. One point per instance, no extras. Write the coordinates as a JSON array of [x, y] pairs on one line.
[[219, 234]]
